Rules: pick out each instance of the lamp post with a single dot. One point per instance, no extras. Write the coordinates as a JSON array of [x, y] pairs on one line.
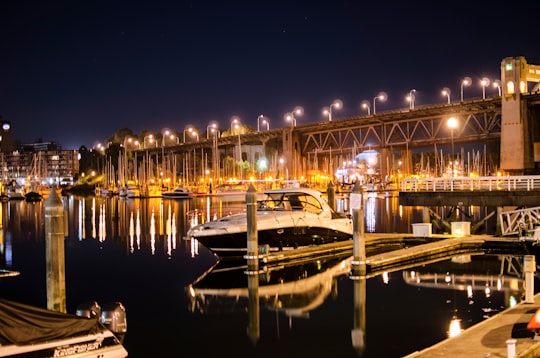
[[466, 82], [497, 84], [484, 82], [264, 121], [151, 140], [235, 123], [192, 131], [291, 116], [452, 123], [381, 97], [410, 98], [446, 92], [125, 172], [213, 128], [327, 111], [365, 105]]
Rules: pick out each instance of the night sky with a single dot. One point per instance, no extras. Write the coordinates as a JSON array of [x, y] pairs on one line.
[[75, 72]]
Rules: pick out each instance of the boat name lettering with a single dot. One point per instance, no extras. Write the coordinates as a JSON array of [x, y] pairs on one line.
[[65, 351]]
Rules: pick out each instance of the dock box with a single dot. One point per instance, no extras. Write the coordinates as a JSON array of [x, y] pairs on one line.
[[421, 230], [461, 228]]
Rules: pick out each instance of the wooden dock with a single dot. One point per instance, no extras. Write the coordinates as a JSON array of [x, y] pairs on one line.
[[489, 338]]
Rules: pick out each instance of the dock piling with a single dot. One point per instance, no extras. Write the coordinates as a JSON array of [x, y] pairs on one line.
[[55, 255], [252, 235], [529, 267], [358, 264]]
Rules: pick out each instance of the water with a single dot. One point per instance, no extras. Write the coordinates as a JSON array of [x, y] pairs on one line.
[[134, 251]]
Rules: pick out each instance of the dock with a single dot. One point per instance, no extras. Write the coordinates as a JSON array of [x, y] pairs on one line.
[[489, 338]]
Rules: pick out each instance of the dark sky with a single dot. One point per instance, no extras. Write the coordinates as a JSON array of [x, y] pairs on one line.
[[75, 72]]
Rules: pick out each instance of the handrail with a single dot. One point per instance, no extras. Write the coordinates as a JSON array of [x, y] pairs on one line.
[[485, 183]]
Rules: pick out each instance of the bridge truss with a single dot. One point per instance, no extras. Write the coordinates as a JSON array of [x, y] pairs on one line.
[[479, 121]]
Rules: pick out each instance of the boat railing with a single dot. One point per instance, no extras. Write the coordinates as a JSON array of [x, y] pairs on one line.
[[197, 216]]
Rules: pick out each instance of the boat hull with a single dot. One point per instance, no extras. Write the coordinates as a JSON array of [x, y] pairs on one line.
[[234, 245]]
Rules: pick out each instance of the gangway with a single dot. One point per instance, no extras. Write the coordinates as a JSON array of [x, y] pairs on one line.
[[520, 221]]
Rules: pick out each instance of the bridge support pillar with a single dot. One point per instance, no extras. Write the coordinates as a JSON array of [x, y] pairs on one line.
[[517, 153]]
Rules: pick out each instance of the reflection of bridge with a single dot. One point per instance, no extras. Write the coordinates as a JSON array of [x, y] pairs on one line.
[[508, 119]]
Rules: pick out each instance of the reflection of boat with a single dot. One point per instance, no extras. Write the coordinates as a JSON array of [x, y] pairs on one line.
[[176, 193], [295, 288], [29, 331], [286, 219]]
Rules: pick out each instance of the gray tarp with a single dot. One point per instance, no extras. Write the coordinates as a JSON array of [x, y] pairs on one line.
[[23, 324]]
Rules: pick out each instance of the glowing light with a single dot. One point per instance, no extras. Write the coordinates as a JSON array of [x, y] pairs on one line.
[[455, 327]]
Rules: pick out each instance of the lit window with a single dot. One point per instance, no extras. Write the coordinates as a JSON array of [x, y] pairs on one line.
[[510, 87], [522, 86]]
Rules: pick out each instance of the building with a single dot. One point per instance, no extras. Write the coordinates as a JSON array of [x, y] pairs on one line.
[[43, 162]]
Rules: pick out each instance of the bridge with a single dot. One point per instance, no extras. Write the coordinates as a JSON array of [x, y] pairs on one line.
[[502, 127]]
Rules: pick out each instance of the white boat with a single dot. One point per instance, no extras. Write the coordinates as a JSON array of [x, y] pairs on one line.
[[177, 193], [29, 331], [286, 219], [132, 190], [15, 193]]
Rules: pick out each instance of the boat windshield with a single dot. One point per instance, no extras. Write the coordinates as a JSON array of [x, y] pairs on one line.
[[290, 202]]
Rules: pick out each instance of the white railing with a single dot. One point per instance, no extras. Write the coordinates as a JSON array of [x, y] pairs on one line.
[[492, 183], [519, 221]]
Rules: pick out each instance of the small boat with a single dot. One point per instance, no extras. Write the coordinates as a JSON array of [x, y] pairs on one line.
[[15, 193], [29, 331], [132, 190], [33, 196], [286, 219], [177, 193]]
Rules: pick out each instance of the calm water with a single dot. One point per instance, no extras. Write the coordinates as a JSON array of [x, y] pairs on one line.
[[179, 304]]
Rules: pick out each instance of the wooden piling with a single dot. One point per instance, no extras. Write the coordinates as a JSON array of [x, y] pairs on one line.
[[331, 195], [358, 264], [55, 256], [252, 235]]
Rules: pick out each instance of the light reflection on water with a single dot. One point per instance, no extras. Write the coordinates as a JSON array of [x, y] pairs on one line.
[[135, 251]]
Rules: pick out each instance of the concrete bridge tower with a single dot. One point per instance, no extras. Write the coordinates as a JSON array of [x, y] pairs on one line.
[[518, 142]]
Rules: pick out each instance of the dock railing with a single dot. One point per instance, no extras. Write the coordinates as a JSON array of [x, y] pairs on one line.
[[486, 183], [520, 222]]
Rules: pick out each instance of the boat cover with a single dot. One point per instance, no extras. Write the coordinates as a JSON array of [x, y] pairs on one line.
[[22, 324]]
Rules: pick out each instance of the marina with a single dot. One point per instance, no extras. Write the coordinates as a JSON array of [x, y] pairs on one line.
[[136, 251]]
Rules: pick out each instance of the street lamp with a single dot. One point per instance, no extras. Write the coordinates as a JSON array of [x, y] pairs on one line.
[[452, 123], [327, 111], [235, 123], [484, 82], [446, 92], [192, 132], [410, 98], [264, 121], [497, 84], [291, 116], [151, 140], [381, 97], [235, 120], [466, 82], [365, 105], [212, 128]]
